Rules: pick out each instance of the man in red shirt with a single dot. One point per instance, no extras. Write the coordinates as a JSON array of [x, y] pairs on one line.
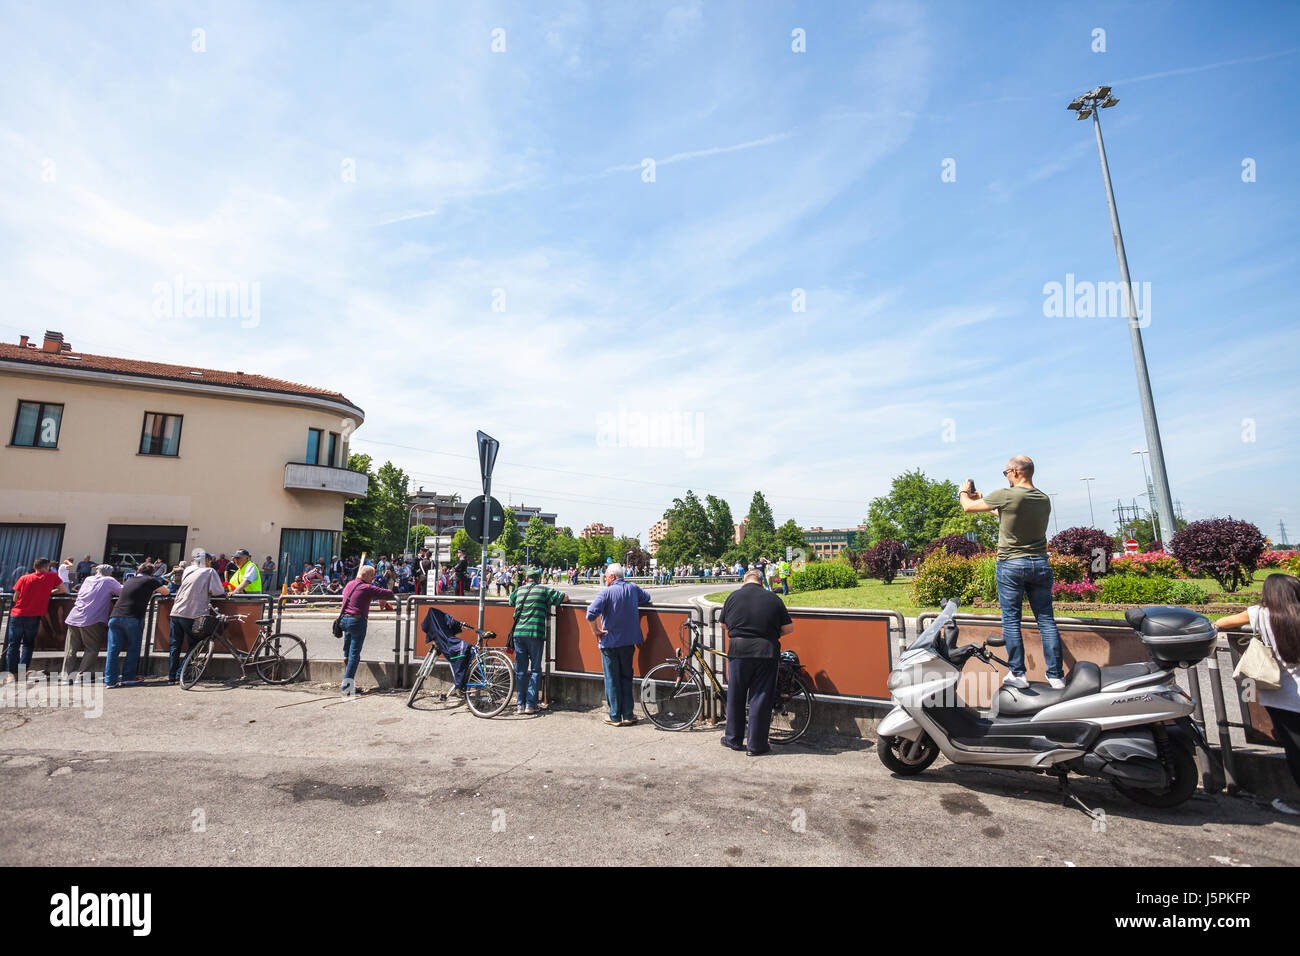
[[31, 601]]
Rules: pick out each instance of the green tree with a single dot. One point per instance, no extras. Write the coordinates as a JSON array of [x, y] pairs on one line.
[[391, 509], [914, 510], [722, 527], [510, 537], [537, 540], [789, 535], [418, 533], [759, 521], [983, 523], [359, 523], [689, 532]]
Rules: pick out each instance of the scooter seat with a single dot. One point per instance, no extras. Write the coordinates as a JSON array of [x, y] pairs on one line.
[[1084, 680]]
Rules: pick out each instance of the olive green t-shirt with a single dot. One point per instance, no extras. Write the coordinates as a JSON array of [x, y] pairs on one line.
[[1022, 521]]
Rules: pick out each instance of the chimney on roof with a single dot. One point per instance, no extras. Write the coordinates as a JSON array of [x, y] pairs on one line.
[[22, 341], [54, 342]]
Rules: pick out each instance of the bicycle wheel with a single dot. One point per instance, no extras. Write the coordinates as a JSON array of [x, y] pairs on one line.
[[672, 696], [490, 684], [280, 658], [793, 713], [195, 663], [426, 668]]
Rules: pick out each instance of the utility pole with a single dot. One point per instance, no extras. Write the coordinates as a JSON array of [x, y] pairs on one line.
[[1088, 484], [1091, 104]]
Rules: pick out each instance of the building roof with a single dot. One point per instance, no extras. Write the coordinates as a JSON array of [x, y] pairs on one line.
[[64, 357]]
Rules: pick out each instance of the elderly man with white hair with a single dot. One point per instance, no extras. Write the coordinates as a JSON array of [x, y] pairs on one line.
[[616, 622], [200, 583]]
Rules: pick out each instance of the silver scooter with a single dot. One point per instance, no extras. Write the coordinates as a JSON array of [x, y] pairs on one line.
[[1128, 724]]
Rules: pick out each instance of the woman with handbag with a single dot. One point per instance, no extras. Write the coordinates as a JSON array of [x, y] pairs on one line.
[[1272, 662]]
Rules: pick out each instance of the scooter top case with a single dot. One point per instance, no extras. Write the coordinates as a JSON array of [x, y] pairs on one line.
[[1174, 636]]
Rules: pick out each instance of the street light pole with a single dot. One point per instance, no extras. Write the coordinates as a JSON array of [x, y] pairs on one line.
[[1088, 484], [1092, 103], [1055, 524]]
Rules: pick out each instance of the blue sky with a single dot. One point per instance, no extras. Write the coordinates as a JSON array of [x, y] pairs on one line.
[[515, 179]]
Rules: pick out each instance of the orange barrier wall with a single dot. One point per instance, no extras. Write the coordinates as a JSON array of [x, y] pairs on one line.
[[1102, 645], [842, 655], [577, 650], [496, 617], [240, 634]]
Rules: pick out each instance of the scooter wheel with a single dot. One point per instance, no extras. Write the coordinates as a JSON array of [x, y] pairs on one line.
[[907, 757], [1180, 788]]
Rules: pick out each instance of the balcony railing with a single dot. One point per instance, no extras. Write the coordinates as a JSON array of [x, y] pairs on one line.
[[303, 477]]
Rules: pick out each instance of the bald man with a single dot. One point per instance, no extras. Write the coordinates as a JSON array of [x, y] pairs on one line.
[[1022, 567]]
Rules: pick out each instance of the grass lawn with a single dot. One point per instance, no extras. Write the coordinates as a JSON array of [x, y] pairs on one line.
[[898, 597]]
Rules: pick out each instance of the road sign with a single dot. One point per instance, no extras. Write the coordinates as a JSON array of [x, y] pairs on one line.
[[474, 520], [1130, 545], [487, 457]]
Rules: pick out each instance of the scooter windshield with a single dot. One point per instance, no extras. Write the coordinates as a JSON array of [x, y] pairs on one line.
[[929, 635]]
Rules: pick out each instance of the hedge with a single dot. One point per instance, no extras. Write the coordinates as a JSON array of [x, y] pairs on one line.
[[823, 575]]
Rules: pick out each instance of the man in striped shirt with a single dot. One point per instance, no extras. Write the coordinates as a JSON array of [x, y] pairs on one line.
[[531, 603]]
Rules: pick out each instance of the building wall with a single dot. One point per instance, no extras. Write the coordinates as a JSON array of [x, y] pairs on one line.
[[226, 486]]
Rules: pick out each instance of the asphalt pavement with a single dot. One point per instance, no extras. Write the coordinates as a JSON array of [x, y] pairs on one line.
[[282, 776]]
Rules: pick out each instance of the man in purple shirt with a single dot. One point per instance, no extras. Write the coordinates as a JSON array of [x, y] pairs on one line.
[[616, 622], [355, 616], [88, 622]]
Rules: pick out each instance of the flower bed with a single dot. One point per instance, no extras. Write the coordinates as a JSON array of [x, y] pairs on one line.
[[1153, 564]]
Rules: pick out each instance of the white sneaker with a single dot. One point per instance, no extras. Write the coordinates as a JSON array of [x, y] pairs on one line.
[[1056, 683], [1011, 680], [1281, 807]]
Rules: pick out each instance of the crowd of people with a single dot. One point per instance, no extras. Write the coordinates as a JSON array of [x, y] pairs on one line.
[[111, 612]]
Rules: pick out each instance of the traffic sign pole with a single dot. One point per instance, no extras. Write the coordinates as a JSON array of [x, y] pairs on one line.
[[487, 458]]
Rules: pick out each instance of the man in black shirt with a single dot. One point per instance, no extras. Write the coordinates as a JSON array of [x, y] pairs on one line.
[[756, 620], [126, 625], [462, 572]]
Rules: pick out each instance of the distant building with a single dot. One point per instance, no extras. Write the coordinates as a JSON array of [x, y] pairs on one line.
[[826, 543], [657, 532], [597, 530], [445, 514], [525, 514], [739, 530]]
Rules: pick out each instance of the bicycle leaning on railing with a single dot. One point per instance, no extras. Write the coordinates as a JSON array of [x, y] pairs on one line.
[[489, 678], [672, 693], [277, 658]]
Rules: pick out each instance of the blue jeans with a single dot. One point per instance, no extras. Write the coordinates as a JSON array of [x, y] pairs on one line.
[[528, 663], [22, 641], [124, 634], [181, 630], [354, 635], [616, 662], [1019, 578]]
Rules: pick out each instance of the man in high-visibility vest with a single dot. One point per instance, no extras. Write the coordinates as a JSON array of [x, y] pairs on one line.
[[247, 578], [784, 569]]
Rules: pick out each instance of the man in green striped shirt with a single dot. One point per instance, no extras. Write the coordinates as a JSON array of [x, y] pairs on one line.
[[531, 602]]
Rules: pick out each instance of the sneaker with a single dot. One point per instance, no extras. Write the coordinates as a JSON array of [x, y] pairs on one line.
[[456, 692], [1013, 680], [1056, 683], [530, 711], [613, 723], [627, 722], [36, 675], [1282, 807]]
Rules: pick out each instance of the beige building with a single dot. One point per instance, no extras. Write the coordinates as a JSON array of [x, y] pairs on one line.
[[657, 532], [596, 529], [123, 460]]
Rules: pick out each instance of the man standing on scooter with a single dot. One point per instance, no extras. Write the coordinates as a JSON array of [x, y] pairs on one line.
[[1022, 566]]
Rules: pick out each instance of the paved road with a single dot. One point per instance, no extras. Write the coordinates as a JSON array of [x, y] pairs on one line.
[[283, 776]]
